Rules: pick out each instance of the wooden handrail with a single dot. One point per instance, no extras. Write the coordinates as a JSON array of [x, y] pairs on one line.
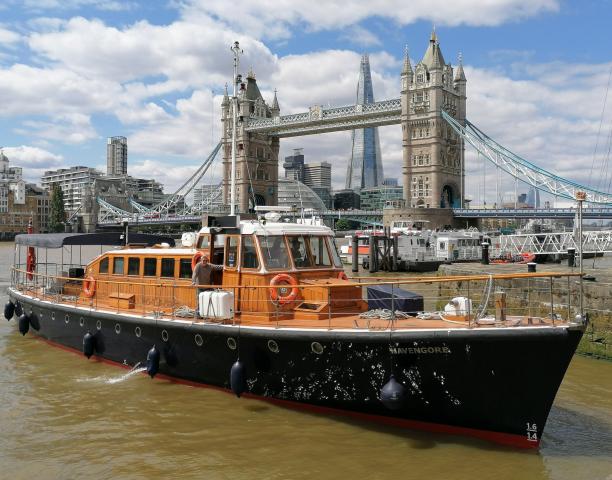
[[386, 281]]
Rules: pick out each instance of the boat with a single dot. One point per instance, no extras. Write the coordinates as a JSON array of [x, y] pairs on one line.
[[283, 323], [520, 258], [419, 249]]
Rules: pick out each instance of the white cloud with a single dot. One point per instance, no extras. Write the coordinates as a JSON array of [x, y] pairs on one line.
[[108, 5], [277, 19], [189, 54], [33, 160], [72, 128], [8, 37], [363, 37]]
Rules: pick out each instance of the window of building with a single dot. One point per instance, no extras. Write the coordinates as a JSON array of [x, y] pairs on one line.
[[420, 78], [118, 265], [150, 267], [104, 265], [133, 266], [185, 268], [249, 253], [167, 267]]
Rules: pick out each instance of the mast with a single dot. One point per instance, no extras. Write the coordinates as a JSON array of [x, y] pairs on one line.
[[237, 51]]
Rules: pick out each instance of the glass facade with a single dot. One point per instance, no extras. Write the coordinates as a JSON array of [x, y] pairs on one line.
[[365, 168]]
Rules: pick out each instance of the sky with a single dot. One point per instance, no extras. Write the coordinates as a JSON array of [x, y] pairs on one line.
[[74, 72]]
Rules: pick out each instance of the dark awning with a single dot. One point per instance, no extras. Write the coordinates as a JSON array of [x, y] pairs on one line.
[[58, 240]]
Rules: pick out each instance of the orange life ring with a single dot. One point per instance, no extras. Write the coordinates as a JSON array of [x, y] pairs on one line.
[[31, 263], [195, 259], [289, 297], [342, 275], [89, 286]]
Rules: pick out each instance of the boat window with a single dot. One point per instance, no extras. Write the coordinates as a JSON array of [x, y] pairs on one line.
[[249, 253], [150, 267], [118, 266], [274, 251], [185, 268], [334, 250], [167, 267], [231, 251], [299, 252], [104, 265], [133, 266], [203, 241], [320, 255]]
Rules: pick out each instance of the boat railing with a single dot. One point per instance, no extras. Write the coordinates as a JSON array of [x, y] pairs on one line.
[[464, 301]]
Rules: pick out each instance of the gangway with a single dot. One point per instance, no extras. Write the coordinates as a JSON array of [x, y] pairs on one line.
[[553, 243]]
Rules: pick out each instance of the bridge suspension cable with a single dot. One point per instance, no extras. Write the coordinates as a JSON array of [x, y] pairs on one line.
[[522, 169], [188, 186]]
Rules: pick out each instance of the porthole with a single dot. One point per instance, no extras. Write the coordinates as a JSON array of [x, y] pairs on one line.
[[117, 328], [82, 322], [137, 332], [231, 343], [66, 318], [316, 347], [99, 325], [198, 340], [165, 335], [273, 346], [52, 315]]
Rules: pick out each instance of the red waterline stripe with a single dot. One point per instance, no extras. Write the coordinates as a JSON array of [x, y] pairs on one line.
[[509, 439]]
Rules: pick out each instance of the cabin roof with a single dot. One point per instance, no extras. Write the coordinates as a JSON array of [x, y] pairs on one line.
[[153, 251], [58, 240], [277, 228]]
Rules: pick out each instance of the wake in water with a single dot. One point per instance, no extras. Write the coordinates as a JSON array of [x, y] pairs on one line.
[[136, 369]]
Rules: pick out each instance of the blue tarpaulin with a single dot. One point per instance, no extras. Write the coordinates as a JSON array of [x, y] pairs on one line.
[[381, 297]]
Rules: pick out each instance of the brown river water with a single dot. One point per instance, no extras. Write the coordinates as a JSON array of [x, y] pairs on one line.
[[64, 417]]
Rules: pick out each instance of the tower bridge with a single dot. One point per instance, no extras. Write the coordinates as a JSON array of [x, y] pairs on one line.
[[431, 110]]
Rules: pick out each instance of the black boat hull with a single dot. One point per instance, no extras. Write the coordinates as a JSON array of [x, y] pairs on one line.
[[493, 383]]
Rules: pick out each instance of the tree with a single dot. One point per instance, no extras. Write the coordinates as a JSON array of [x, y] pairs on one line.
[[57, 215], [343, 224]]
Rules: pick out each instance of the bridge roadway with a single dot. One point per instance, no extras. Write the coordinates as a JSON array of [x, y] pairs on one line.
[[375, 216]]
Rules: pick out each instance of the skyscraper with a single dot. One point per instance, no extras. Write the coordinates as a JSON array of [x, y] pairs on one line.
[[116, 156], [294, 165], [365, 167]]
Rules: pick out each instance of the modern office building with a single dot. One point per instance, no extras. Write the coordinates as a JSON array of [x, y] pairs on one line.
[[317, 175], [390, 182], [293, 193], [365, 168], [533, 198], [346, 199], [294, 165], [376, 197], [116, 156], [72, 182]]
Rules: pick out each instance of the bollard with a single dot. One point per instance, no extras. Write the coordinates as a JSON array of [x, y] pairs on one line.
[[355, 251], [485, 254], [395, 248], [372, 254], [571, 257], [531, 267]]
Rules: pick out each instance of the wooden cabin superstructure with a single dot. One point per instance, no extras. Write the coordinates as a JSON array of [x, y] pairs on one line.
[[263, 265]]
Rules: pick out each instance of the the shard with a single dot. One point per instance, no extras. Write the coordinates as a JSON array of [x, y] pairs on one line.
[[365, 168]]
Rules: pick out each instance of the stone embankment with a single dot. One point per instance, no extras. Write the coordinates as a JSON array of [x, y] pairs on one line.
[[535, 296]]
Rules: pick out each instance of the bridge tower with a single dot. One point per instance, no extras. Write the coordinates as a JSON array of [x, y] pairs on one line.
[[256, 153], [433, 169]]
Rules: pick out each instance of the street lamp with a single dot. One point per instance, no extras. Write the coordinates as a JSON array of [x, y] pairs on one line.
[[580, 198]]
